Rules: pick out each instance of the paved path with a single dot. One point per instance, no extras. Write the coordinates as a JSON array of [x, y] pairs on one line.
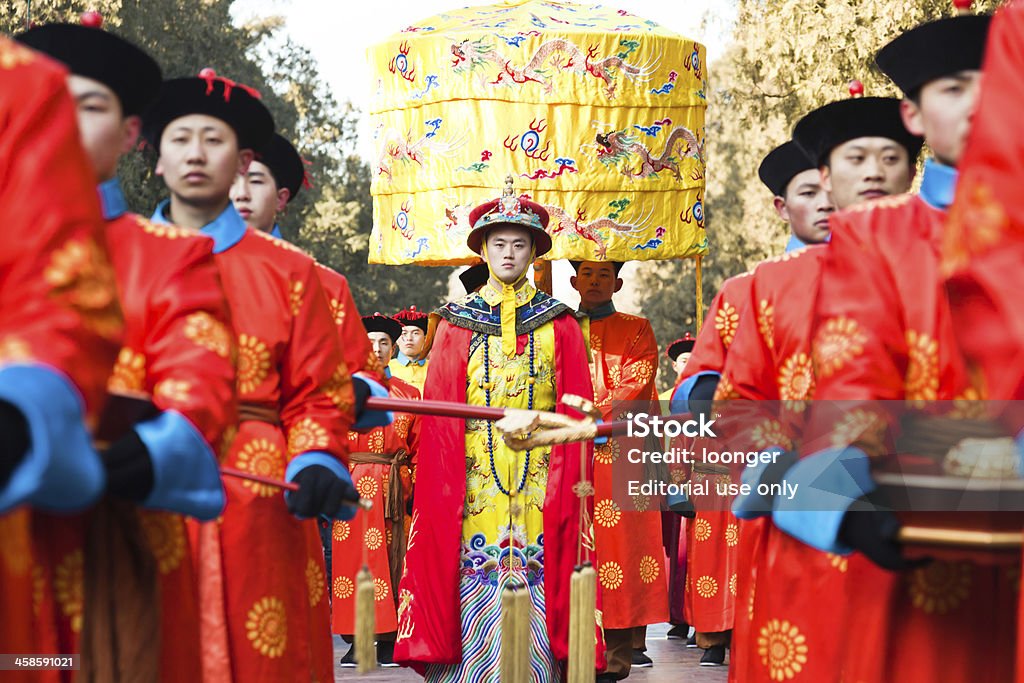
[[673, 663]]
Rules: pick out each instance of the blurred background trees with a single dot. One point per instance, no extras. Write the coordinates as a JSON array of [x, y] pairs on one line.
[[332, 219]]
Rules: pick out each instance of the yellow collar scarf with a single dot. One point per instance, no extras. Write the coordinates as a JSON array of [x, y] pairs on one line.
[[510, 299]]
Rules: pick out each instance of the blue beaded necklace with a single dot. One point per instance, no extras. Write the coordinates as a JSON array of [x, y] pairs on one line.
[[490, 433]]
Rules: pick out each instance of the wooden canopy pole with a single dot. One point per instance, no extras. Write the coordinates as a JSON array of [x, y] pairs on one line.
[[542, 276], [699, 294]]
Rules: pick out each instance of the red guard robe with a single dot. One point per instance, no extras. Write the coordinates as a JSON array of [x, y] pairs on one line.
[[429, 610], [358, 356], [787, 591], [355, 346], [712, 536], [58, 299], [885, 332], [983, 245], [178, 350], [370, 535], [627, 529], [261, 570]]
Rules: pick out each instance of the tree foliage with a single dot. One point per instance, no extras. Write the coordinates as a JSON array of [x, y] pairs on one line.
[[332, 218], [785, 57]]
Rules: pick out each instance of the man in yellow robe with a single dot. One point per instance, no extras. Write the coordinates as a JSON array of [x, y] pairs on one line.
[[485, 516]]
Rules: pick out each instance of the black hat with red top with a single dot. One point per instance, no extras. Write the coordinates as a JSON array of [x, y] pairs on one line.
[[413, 317], [682, 345], [235, 104], [378, 322], [285, 164], [88, 50]]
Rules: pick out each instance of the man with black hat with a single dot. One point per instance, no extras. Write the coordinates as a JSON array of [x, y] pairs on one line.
[[382, 461], [624, 362], [864, 151], [273, 180], [177, 349], [508, 519], [983, 246], [889, 337], [678, 353], [410, 362], [60, 328], [800, 200], [261, 567]]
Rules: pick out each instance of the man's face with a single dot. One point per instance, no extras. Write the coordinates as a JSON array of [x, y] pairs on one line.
[[806, 207], [944, 113], [411, 341], [257, 198], [866, 168], [680, 362], [199, 159], [596, 282], [382, 346], [509, 250], [105, 133]]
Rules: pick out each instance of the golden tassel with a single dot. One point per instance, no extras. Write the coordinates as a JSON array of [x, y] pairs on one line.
[[515, 633], [366, 622], [582, 624]]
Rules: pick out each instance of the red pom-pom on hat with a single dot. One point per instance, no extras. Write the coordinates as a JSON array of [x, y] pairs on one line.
[[91, 19]]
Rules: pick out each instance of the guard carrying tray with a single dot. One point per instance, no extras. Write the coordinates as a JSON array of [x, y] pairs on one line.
[[957, 518]]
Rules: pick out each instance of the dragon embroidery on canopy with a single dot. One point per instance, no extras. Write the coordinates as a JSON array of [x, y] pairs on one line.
[[397, 147], [557, 55], [561, 222], [618, 149]]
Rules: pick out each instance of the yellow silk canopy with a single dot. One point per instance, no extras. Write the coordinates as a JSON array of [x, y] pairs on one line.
[[597, 113]]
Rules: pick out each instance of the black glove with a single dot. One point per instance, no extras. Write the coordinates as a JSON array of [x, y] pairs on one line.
[[362, 391], [701, 396], [873, 532], [129, 468], [14, 440], [684, 508], [321, 492]]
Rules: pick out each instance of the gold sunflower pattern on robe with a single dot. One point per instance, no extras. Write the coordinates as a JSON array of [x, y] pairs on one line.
[[253, 363], [727, 319], [203, 330], [129, 372], [68, 585], [922, 380], [314, 582], [839, 341], [262, 457], [610, 575], [266, 627], [165, 536], [940, 587], [783, 649]]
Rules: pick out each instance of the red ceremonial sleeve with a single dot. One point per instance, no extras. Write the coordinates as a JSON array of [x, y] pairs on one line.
[[860, 346], [983, 245], [58, 293], [316, 388], [188, 346], [355, 345], [639, 367]]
